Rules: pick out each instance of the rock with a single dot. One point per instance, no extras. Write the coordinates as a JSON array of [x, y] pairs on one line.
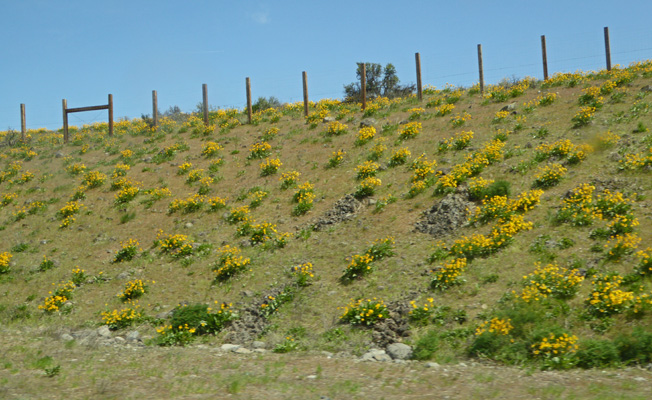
[[59, 154], [259, 345], [368, 122], [123, 275], [44, 242], [399, 351], [133, 336], [119, 340], [66, 337], [646, 88], [329, 119], [327, 354], [311, 377], [376, 355], [230, 347], [445, 217], [509, 107], [247, 293], [104, 331], [242, 350], [432, 365], [188, 225], [344, 209]]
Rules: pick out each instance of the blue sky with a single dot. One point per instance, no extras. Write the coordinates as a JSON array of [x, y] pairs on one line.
[[83, 50]]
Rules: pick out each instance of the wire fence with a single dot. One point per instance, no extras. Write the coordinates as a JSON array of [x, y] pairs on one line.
[[514, 58]]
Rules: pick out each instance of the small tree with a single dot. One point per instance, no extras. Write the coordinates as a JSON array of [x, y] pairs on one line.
[[264, 103], [379, 82]]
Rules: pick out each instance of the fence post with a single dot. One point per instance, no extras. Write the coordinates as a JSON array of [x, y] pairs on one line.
[[23, 124], [204, 88], [607, 47], [154, 109], [363, 85], [248, 83], [305, 93], [64, 104], [417, 57], [110, 115], [481, 72], [544, 55]]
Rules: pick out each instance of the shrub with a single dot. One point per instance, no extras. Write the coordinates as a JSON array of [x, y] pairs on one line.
[[426, 346], [365, 312], [202, 318], [596, 353]]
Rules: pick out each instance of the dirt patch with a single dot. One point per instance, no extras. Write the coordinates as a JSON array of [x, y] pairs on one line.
[[445, 217], [343, 210]]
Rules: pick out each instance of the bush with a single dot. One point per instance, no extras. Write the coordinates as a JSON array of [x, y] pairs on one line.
[[498, 188], [426, 346], [594, 353], [636, 347], [201, 318]]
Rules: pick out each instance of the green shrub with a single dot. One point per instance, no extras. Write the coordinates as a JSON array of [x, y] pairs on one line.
[[202, 318], [426, 346], [595, 353], [635, 347]]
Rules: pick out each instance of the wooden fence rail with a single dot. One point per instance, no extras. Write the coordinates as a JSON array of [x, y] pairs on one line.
[[67, 111]]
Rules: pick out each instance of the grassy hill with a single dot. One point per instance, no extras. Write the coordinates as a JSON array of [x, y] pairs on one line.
[[512, 227]]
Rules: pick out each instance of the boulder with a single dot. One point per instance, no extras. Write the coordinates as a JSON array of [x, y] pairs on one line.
[[399, 351]]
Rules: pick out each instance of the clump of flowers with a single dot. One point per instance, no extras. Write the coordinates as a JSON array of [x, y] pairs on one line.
[[421, 315], [67, 212], [410, 131], [289, 179], [562, 149], [621, 245], [459, 141], [336, 158], [93, 179], [399, 157], [365, 135], [556, 350], [549, 176], [120, 170], [551, 280], [128, 251], [449, 274], [378, 150], [124, 317], [360, 265], [303, 197], [8, 198], [133, 290], [216, 203], [58, 298], [303, 273], [444, 110], [644, 266], [497, 326], [366, 312], [5, 259], [127, 192], [229, 263], [366, 169], [270, 133], [195, 175], [460, 120], [500, 116], [367, 187], [210, 149], [415, 113], [259, 150], [583, 117], [336, 128], [270, 166], [239, 214], [606, 297], [76, 169], [189, 205], [176, 245]]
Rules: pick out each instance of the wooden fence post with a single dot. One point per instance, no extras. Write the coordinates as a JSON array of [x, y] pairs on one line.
[[64, 104], [110, 115], [607, 47], [417, 57], [248, 84], [205, 102], [481, 72], [363, 85], [23, 124], [305, 93], [544, 55], [154, 109]]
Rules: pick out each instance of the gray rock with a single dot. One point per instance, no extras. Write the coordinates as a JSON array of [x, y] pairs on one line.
[[509, 107], [242, 350], [376, 355], [119, 340], [104, 331], [399, 351], [59, 154], [646, 88], [188, 225], [311, 377], [368, 122], [432, 365], [66, 337], [123, 275], [230, 347], [259, 345], [329, 119], [133, 336]]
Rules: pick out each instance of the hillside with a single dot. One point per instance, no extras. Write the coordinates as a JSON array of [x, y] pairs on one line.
[[511, 227]]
